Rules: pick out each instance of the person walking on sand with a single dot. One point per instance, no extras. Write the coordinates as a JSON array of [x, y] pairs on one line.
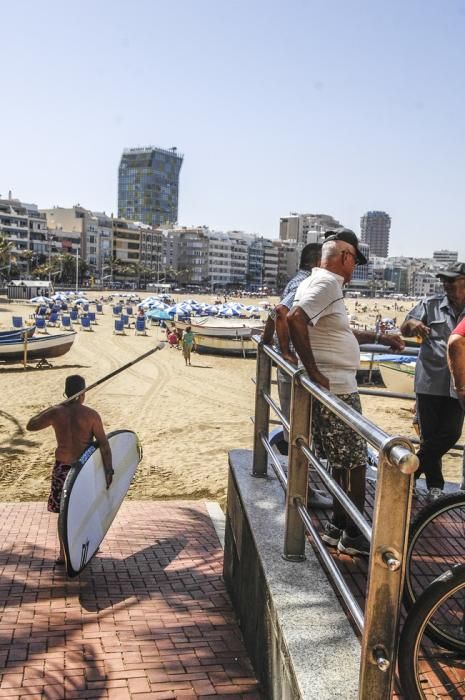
[[75, 426], [187, 343], [440, 415]]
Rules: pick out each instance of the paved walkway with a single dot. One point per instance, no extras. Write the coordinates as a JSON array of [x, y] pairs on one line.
[[148, 618]]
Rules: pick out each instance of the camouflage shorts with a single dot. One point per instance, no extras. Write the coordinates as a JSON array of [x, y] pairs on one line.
[[343, 448]]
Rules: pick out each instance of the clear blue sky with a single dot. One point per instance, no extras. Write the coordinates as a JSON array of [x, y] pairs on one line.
[[331, 106]]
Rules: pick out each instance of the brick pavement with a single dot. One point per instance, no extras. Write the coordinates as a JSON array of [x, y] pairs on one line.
[[148, 618]]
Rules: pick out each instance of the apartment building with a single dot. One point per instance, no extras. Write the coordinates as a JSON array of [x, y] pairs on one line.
[[148, 185], [26, 229], [305, 228], [445, 258]]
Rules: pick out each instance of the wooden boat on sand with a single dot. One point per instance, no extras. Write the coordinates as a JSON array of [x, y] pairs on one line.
[[398, 376], [37, 348], [222, 327], [17, 333], [225, 346]]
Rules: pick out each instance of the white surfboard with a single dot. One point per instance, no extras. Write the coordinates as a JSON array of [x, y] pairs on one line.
[[87, 507]]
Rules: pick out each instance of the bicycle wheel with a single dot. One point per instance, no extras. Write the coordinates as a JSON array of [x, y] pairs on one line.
[[432, 644], [436, 542]]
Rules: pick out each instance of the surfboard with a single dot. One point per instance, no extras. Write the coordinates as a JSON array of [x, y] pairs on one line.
[[87, 507]]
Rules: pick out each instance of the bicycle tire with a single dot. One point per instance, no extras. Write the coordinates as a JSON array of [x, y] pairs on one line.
[[421, 676], [426, 558]]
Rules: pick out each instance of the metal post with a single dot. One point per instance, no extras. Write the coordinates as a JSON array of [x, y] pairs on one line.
[[391, 517], [262, 411], [294, 536]]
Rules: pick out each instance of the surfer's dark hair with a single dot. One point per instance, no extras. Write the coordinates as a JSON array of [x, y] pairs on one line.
[[73, 384]]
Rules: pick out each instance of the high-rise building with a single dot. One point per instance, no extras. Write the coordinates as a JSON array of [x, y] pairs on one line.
[[375, 227], [148, 185]]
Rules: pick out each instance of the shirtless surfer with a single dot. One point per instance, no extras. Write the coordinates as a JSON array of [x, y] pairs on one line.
[[75, 428]]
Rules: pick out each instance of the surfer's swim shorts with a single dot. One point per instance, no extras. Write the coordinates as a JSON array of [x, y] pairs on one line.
[[343, 447], [59, 474]]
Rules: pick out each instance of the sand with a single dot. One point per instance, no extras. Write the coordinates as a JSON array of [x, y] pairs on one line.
[[187, 418]]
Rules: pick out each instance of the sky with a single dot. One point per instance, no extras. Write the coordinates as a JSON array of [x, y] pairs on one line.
[[331, 106]]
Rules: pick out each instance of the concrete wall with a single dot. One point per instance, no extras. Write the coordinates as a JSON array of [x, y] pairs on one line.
[[297, 635]]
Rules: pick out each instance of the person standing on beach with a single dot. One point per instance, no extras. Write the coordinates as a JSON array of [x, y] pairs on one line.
[[276, 332], [440, 415], [329, 350], [187, 343], [75, 426]]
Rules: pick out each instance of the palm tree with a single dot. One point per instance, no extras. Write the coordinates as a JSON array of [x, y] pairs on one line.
[[6, 259]]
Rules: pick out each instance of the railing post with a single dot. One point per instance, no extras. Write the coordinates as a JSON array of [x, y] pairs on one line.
[[262, 411], [391, 518], [294, 536]]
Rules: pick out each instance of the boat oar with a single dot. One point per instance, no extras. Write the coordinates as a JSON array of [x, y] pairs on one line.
[[160, 346]]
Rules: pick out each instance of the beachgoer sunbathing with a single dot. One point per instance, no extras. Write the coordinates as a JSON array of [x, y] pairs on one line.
[[76, 426]]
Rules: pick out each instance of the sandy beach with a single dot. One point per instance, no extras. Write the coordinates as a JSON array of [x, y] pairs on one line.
[[187, 418]]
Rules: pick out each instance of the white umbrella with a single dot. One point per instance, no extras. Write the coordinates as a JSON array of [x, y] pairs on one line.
[[40, 300]]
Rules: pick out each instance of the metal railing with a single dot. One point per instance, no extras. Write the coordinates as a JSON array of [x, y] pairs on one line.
[[388, 532]]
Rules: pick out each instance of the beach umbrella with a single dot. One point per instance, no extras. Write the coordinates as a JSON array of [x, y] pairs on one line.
[[158, 315], [40, 300]]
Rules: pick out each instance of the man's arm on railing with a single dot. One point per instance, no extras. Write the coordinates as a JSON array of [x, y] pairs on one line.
[[268, 331], [298, 322], [282, 331]]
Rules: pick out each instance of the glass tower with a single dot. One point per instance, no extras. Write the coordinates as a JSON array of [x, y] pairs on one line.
[[148, 185]]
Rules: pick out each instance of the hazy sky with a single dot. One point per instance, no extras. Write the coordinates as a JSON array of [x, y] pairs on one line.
[[333, 107]]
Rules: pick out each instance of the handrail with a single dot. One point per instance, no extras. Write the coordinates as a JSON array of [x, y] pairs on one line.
[[389, 531]]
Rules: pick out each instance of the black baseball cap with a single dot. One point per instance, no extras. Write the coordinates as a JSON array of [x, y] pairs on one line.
[[455, 270], [345, 234]]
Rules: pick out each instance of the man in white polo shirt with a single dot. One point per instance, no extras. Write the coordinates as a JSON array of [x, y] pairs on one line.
[[329, 350]]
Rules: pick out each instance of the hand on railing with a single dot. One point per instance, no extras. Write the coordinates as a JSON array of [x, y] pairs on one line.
[[290, 357], [319, 378]]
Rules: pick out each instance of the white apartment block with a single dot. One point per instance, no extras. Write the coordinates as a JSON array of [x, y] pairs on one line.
[[445, 258], [424, 283], [297, 227], [26, 229]]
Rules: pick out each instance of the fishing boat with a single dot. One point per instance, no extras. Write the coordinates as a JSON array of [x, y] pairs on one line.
[[222, 327], [17, 333], [368, 371], [225, 346], [37, 348], [398, 373]]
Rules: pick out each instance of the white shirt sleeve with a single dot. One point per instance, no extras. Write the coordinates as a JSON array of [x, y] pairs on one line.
[[316, 299]]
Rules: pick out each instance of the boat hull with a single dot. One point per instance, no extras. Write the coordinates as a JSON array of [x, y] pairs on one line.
[[222, 328], [37, 348], [398, 378], [225, 346], [17, 333]]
